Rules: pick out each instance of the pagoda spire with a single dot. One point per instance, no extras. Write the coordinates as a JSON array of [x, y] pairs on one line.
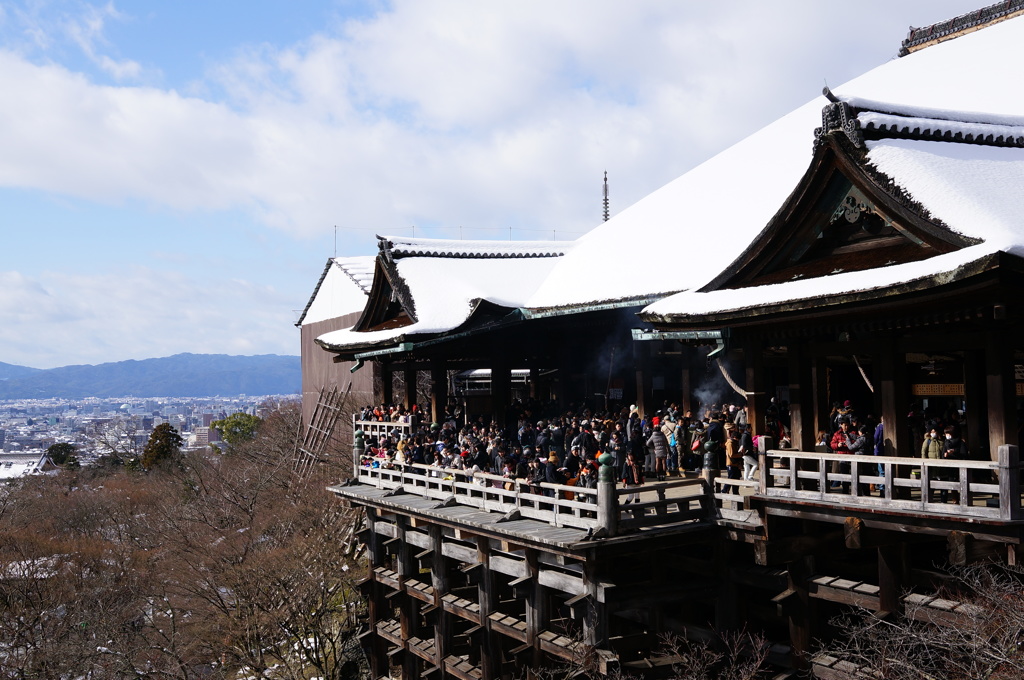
[[605, 195]]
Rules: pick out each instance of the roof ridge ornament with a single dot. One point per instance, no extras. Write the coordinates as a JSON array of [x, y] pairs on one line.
[[838, 116]]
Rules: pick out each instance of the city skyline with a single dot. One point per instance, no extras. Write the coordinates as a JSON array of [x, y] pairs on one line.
[[172, 177]]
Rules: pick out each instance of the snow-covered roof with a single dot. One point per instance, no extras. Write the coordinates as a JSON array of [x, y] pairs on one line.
[[684, 235], [972, 183], [13, 466], [446, 289], [342, 289]]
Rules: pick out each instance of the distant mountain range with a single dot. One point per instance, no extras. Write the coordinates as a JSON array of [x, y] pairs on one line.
[[181, 375], [8, 371]]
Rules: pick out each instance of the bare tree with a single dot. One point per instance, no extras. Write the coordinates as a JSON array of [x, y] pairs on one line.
[[982, 638], [220, 565]]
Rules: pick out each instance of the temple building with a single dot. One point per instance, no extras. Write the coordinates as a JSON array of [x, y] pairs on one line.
[[867, 247]]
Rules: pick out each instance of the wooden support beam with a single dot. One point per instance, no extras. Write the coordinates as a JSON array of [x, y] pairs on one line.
[[595, 619], [438, 390], [1000, 388], [754, 381], [801, 612], [387, 384], [408, 608], [892, 574], [537, 608], [801, 397], [376, 604], [727, 602], [439, 579], [410, 387], [490, 650]]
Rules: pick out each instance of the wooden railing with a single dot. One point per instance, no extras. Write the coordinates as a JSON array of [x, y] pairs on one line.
[[373, 429], [599, 509], [981, 489], [988, 489]]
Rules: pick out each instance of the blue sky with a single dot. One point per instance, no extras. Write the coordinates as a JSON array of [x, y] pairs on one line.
[[171, 173]]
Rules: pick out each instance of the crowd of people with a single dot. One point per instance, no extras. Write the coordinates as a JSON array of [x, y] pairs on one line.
[[940, 435], [562, 448]]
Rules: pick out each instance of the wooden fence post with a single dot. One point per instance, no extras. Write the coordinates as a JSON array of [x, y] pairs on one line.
[[607, 500], [764, 444], [1009, 482]]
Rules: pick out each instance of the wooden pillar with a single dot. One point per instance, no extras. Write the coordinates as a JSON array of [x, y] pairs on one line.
[[409, 606], [727, 602], [387, 385], [595, 619], [534, 377], [891, 570], [892, 372], [490, 651], [501, 392], [1001, 390], [376, 606], [410, 387], [440, 582], [642, 363], [800, 610], [757, 403], [822, 408], [438, 390], [801, 398], [686, 399], [976, 396], [536, 608]]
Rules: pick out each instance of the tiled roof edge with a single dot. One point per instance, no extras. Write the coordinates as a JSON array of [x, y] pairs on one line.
[[919, 38]]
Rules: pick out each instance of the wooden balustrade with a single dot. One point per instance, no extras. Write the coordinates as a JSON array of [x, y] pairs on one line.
[[980, 488], [557, 504], [983, 489], [374, 429]]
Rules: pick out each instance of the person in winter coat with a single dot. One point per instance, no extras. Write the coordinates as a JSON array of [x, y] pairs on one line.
[[863, 445], [841, 440], [733, 457], [954, 448], [746, 450], [659, 442], [587, 480], [632, 477]]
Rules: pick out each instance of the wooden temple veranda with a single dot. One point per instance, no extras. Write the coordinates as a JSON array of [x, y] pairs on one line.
[[471, 579], [888, 270]]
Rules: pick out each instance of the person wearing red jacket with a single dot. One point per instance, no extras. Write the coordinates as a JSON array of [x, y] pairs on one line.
[[841, 444]]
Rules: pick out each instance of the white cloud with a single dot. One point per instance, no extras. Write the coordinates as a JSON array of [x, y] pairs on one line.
[[479, 114], [137, 314], [86, 31], [444, 113]]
